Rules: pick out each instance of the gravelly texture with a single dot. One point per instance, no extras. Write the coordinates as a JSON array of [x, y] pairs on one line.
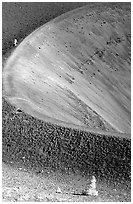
[[39, 147], [44, 144], [43, 149]]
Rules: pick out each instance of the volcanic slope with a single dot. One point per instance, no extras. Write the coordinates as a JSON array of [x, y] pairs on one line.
[[75, 70]]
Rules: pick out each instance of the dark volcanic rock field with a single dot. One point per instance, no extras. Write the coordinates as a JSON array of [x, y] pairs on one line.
[[37, 146]]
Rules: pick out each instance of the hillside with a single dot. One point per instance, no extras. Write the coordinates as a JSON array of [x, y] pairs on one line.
[[76, 69]]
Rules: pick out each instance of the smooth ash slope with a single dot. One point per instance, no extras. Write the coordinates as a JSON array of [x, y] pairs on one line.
[[75, 70]]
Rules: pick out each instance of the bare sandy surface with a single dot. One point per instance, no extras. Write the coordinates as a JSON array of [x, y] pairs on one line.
[[21, 186]]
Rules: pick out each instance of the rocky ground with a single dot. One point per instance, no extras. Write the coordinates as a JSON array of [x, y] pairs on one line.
[[39, 157]]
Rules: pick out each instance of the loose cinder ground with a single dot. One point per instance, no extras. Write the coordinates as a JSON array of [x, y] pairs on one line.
[[39, 157]]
